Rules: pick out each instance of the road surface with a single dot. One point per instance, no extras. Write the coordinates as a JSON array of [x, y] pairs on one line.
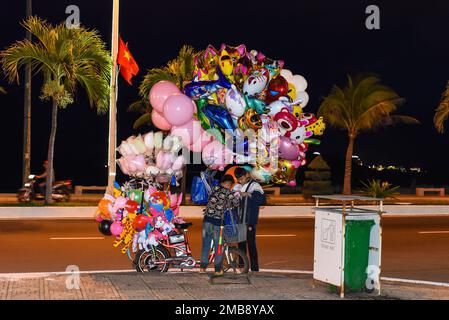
[[413, 248]]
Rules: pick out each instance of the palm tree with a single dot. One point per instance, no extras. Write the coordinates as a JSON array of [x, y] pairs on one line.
[[66, 58], [442, 112], [363, 105]]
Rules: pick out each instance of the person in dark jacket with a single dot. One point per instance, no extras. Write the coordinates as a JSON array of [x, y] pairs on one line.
[[253, 197], [221, 198]]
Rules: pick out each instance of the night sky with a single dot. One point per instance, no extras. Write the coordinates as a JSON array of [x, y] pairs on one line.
[[321, 40]]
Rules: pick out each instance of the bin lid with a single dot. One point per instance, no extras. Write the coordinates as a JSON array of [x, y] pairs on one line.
[[341, 197]]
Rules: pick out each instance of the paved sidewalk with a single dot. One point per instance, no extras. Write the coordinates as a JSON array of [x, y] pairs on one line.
[[193, 286]]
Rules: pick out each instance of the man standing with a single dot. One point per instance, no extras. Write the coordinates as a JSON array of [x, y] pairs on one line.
[[252, 198]]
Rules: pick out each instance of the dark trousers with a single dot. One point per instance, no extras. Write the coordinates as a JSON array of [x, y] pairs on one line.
[[250, 244]]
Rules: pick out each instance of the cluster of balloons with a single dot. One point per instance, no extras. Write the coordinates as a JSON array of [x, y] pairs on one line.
[[174, 111], [152, 156], [138, 217], [235, 90]]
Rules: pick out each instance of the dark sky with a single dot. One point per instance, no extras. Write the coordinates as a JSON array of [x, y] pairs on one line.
[[322, 40]]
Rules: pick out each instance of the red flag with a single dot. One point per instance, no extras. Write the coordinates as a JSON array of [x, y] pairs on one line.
[[128, 66]]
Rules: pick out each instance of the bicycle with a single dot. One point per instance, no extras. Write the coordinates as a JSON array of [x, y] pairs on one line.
[[176, 252]]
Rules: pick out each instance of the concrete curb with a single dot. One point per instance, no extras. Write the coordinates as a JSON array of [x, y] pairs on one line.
[[13, 213]]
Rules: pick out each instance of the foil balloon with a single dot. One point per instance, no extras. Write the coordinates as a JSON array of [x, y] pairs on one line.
[[216, 156], [235, 102], [250, 120], [287, 122], [288, 149], [286, 173], [258, 105], [255, 83], [262, 174], [226, 65], [277, 87], [278, 105], [235, 53], [201, 89], [219, 117]]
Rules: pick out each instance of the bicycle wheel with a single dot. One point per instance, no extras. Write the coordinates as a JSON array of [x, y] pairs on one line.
[[147, 262], [235, 260]]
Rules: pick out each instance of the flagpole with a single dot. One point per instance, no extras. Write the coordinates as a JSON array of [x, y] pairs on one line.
[[113, 99]]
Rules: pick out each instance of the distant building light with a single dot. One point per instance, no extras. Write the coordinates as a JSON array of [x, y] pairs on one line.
[[415, 169], [355, 157], [316, 153]]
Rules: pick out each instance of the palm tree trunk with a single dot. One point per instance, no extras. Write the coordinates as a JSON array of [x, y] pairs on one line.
[[348, 165], [27, 111], [51, 151]]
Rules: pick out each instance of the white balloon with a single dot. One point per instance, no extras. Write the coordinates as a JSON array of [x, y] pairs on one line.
[[287, 74], [303, 97], [299, 82]]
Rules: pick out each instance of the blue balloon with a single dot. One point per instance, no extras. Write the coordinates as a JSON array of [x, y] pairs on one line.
[[219, 117], [199, 89], [169, 214]]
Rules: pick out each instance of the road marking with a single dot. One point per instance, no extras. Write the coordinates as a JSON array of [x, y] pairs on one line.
[[432, 232], [430, 283], [77, 238], [275, 235]]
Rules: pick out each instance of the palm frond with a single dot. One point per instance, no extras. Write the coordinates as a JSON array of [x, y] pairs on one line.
[[140, 106], [442, 112], [363, 104], [67, 56], [153, 76], [3, 91], [144, 119]]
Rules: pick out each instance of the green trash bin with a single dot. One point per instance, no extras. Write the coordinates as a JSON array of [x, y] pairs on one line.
[[356, 253]]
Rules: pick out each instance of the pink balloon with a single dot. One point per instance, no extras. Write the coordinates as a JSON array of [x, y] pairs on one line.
[[159, 121], [216, 156], [160, 92], [189, 132], [204, 140], [116, 228], [287, 149], [178, 109]]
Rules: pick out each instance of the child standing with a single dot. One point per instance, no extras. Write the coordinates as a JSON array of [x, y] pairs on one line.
[[221, 198]]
